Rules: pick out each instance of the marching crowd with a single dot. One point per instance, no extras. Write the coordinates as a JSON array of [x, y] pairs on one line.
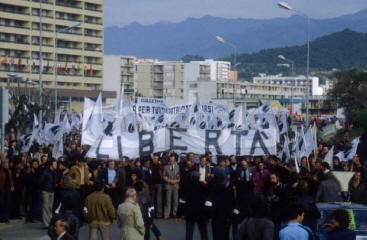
[[242, 197]]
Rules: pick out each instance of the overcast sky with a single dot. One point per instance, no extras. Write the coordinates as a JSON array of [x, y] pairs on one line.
[[122, 12]]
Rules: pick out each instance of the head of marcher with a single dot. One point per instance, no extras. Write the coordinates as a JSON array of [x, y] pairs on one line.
[[111, 165], [340, 219], [296, 213], [172, 159], [131, 194], [202, 160], [61, 226]]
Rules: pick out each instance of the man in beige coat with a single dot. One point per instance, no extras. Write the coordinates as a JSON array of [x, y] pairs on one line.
[[129, 218]]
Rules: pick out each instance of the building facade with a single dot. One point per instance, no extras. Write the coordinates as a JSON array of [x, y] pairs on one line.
[[79, 65], [160, 79], [300, 81]]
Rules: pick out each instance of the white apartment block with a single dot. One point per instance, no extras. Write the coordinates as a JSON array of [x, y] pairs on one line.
[[300, 81], [219, 70]]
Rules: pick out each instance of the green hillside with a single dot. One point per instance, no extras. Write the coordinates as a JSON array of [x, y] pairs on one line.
[[341, 50]]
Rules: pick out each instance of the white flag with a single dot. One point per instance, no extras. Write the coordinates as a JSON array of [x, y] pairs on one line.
[[94, 126], [329, 157], [88, 108], [349, 154]]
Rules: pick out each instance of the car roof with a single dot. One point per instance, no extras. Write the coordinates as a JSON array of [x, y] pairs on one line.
[[341, 205]]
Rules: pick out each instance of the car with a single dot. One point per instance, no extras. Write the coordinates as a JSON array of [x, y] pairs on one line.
[[358, 213]]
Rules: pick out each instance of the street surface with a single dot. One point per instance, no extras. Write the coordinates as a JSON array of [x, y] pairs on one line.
[[34, 231]]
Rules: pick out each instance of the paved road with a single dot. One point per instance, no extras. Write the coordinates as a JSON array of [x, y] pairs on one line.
[[19, 231]]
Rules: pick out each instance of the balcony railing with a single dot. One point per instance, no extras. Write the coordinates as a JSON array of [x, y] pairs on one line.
[[92, 9], [43, 30], [43, 1], [92, 49], [14, 41], [64, 4], [92, 35], [14, 26], [77, 48], [92, 22], [13, 11]]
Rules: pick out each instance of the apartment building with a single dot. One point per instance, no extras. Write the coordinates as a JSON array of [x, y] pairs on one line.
[[160, 79], [219, 70], [71, 28], [312, 83]]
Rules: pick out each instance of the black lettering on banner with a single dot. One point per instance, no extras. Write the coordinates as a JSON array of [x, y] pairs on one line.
[[119, 146], [264, 135], [172, 138], [258, 139], [238, 139], [98, 155], [212, 140], [145, 143]]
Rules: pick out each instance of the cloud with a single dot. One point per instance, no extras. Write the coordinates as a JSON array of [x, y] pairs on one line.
[[122, 12]]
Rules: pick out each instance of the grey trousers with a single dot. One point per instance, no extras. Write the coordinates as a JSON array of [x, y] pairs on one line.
[[95, 228], [171, 200], [157, 199], [47, 203]]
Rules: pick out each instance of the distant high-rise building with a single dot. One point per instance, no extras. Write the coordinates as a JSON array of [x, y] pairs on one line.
[[79, 50], [300, 81], [160, 79]]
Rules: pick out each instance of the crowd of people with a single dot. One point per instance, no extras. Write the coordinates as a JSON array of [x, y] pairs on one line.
[[242, 197]]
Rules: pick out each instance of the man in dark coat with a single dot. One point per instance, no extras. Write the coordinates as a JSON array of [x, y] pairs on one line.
[[222, 206], [109, 177], [329, 189], [192, 207]]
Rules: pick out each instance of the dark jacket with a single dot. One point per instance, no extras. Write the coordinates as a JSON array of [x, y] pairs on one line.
[[71, 197], [339, 234], [71, 219], [358, 194], [67, 236], [223, 202], [329, 190], [146, 208], [192, 205], [157, 173], [255, 229], [103, 176], [6, 179], [276, 195], [47, 180]]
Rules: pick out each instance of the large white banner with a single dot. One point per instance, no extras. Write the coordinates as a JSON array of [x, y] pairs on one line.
[[219, 142]]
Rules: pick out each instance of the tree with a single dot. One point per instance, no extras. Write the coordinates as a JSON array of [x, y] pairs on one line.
[[350, 90]]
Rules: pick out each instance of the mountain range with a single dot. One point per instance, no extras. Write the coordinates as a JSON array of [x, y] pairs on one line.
[[196, 36], [341, 50]]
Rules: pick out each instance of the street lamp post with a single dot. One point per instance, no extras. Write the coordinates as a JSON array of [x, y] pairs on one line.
[[289, 61], [76, 24], [286, 6], [40, 66], [221, 40]]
